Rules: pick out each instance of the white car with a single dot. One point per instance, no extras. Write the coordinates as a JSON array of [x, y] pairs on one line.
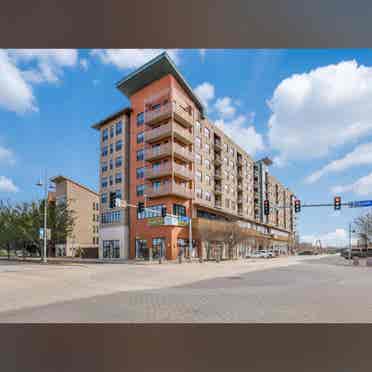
[[261, 254]]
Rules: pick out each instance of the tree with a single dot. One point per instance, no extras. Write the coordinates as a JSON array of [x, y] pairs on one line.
[[363, 227], [20, 224]]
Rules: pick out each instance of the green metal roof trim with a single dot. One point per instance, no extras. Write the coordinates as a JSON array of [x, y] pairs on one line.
[[153, 70]]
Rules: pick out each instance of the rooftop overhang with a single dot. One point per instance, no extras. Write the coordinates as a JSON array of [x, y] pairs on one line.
[[153, 70], [113, 116]]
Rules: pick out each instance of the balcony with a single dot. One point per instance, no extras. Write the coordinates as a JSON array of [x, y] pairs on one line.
[[156, 116], [218, 144], [217, 174], [166, 131], [165, 112], [182, 116], [158, 152], [217, 189], [157, 172], [167, 170], [167, 149], [170, 189], [218, 160], [182, 153]]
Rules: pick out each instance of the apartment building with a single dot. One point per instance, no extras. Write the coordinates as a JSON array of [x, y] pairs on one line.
[[114, 184], [176, 162], [84, 203]]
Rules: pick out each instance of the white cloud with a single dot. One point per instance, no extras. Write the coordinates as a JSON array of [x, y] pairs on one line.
[[83, 63], [6, 155], [337, 238], [131, 58], [363, 186], [361, 155], [243, 133], [205, 92], [224, 107], [7, 185], [15, 93], [316, 111], [49, 63]]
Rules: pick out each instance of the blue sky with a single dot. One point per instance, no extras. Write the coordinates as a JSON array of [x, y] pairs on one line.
[[310, 110]]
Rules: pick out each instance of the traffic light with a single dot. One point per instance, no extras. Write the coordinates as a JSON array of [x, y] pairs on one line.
[[266, 207], [297, 205], [140, 207], [337, 203], [163, 211]]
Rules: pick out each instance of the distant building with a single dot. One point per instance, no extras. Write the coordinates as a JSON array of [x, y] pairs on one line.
[[85, 204]]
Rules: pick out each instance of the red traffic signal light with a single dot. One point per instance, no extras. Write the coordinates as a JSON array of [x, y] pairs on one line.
[[337, 203], [297, 205]]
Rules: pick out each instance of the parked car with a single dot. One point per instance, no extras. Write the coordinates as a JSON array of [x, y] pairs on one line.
[[262, 254]]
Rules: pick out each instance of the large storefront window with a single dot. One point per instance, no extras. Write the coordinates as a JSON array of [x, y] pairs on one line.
[[111, 249], [158, 247], [141, 248]]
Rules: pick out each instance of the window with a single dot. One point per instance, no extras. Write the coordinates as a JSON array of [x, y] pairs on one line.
[[207, 179], [208, 196], [198, 159], [104, 198], [104, 151], [111, 148], [105, 135], [111, 182], [118, 161], [156, 107], [94, 206], [140, 172], [151, 211], [111, 217], [140, 137], [199, 193], [179, 210], [111, 164], [231, 150], [225, 147], [111, 249], [197, 142], [140, 190], [118, 177], [118, 194], [207, 132], [207, 148], [119, 145], [140, 118], [119, 128], [97, 206], [104, 167], [111, 131], [227, 203], [198, 176], [140, 154], [104, 182], [197, 126], [158, 247], [207, 163]]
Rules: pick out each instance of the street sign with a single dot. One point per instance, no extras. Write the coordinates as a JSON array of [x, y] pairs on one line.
[[360, 203]]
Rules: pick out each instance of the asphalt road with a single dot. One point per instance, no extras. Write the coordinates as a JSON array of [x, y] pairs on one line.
[[319, 290]]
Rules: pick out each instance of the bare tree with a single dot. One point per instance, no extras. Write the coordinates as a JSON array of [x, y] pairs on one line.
[[363, 227]]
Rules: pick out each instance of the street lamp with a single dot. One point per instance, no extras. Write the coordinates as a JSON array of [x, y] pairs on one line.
[[350, 246], [45, 184]]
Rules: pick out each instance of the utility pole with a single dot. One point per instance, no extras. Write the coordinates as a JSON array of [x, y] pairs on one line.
[[40, 184]]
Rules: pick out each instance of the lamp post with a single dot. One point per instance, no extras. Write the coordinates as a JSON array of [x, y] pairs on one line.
[[350, 245], [40, 184]]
